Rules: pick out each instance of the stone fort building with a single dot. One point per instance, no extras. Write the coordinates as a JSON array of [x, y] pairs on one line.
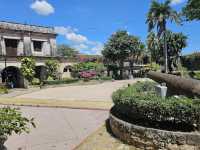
[[22, 40]]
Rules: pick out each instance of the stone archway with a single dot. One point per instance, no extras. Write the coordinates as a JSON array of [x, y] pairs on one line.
[[41, 73], [13, 76], [67, 72]]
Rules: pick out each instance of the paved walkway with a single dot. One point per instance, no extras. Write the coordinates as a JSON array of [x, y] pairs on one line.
[[98, 92], [57, 129]]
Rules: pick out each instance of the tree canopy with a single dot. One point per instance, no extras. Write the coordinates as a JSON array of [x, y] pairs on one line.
[[192, 10], [67, 51], [122, 47], [158, 15]]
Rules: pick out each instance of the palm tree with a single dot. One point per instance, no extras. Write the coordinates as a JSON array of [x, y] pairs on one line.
[[158, 16], [175, 43]]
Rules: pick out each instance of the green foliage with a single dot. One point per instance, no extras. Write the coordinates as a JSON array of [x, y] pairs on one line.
[[159, 14], [120, 47], [105, 78], [117, 47], [192, 61], [145, 105], [35, 81], [57, 82], [154, 47], [175, 42], [192, 10], [197, 75], [52, 68], [12, 121], [155, 67], [28, 68], [66, 51]]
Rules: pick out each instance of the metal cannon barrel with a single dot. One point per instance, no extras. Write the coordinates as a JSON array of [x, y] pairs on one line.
[[176, 84]]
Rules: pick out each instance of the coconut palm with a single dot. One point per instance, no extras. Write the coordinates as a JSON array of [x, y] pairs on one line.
[[158, 16]]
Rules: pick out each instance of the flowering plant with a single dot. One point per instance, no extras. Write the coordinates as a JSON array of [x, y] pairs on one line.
[[87, 74]]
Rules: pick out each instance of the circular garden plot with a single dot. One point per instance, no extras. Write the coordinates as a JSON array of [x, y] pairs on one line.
[[143, 119]]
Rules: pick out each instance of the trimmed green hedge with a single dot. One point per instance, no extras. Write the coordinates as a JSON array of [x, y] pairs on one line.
[[139, 102], [56, 82]]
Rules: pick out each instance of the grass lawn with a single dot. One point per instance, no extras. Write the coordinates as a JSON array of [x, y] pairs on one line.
[[102, 139]]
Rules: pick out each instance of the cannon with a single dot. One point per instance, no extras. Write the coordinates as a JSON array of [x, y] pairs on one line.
[[177, 85]]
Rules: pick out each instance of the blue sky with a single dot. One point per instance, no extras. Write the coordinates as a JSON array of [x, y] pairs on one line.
[[87, 24]]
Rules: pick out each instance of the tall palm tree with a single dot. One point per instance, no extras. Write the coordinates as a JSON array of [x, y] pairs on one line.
[[158, 16]]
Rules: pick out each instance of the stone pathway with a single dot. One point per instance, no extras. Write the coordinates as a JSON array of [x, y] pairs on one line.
[[98, 92], [17, 92], [57, 128]]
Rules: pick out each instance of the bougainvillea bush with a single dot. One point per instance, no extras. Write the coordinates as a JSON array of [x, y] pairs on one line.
[[87, 75], [140, 104]]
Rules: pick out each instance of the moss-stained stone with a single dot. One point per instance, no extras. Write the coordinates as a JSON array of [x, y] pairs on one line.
[[153, 139]]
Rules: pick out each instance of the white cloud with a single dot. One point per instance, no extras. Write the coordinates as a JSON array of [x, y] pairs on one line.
[[80, 46], [78, 41], [42, 7], [98, 47], [70, 34], [176, 2], [76, 38]]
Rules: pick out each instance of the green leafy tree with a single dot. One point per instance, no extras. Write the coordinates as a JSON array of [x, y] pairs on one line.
[[67, 51], [117, 49], [158, 15], [28, 68], [136, 48], [192, 10], [175, 43], [52, 68], [153, 47], [12, 121]]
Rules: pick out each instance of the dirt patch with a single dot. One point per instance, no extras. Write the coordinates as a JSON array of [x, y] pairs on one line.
[[102, 139]]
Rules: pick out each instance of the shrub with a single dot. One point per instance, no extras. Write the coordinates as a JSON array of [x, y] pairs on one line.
[[36, 81], [12, 121], [56, 82], [105, 78], [155, 67], [85, 67], [52, 68], [196, 75], [87, 75], [28, 68], [3, 90], [143, 105], [192, 61]]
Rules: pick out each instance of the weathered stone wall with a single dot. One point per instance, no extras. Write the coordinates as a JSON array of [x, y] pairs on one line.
[[26, 27], [26, 34], [153, 139]]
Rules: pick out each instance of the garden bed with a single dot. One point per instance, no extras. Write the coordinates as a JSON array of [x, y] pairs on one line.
[[151, 138], [140, 117]]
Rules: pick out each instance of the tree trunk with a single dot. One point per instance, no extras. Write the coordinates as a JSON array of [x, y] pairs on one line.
[[165, 53], [108, 72], [121, 69]]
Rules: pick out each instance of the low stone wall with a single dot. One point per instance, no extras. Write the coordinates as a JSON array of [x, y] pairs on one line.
[[153, 139]]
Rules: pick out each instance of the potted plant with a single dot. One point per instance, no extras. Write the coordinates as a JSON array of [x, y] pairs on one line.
[[12, 121]]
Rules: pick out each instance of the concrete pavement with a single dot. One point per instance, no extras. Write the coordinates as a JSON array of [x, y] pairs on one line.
[[98, 92], [57, 128]]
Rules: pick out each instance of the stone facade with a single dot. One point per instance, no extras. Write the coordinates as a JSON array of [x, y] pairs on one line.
[[153, 139], [25, 39], [22, 40]]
